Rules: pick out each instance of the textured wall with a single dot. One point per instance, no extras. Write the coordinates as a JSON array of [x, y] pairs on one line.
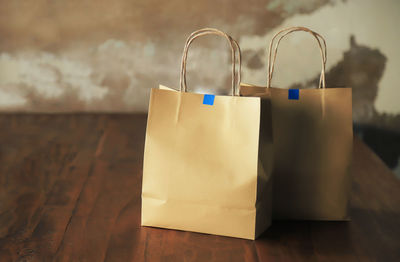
[[58, 56]]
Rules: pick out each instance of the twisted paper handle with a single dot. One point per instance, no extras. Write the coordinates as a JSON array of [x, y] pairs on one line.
[[234, 48], [272, 59]]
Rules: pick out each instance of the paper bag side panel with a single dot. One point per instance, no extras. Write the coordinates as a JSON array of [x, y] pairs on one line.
[[264, 182]]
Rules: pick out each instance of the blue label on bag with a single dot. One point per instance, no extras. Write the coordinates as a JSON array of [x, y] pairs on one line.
[[293, 94], [208, 100]]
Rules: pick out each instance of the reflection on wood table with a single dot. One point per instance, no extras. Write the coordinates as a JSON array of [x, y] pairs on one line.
[[70, 189]]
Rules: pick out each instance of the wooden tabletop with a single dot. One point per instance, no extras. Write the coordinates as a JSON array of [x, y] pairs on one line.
[[70, 189]]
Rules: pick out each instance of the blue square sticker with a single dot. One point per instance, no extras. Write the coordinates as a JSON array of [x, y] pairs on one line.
[[293, 94], [208, 100]]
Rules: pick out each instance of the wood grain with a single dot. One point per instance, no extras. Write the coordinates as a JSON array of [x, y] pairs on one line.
[[70, 189]]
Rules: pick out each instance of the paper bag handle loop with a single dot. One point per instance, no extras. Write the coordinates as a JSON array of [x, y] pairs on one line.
[[236, 77], [286, 31]]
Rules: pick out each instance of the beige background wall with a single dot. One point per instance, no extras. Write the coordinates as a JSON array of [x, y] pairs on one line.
[[58, 56]]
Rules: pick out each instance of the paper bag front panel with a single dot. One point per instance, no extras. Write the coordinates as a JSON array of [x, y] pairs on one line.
[[313, 140], [200, 164]]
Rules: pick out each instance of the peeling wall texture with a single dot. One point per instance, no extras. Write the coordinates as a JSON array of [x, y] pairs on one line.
[[104, 56]]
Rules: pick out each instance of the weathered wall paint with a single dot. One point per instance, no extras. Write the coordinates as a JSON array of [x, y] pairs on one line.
[[58, 56]]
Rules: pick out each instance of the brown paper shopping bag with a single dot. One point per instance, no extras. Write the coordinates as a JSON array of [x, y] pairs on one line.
[[312, 133], [201, 171]]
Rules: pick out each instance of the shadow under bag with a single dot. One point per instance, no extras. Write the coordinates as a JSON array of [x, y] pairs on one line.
[[201, 170], [313, 140]]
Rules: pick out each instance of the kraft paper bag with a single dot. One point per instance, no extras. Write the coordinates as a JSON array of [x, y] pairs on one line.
[[313, 139], [201, 161]]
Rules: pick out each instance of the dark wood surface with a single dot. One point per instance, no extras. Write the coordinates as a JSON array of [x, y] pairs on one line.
[[70, 189]]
